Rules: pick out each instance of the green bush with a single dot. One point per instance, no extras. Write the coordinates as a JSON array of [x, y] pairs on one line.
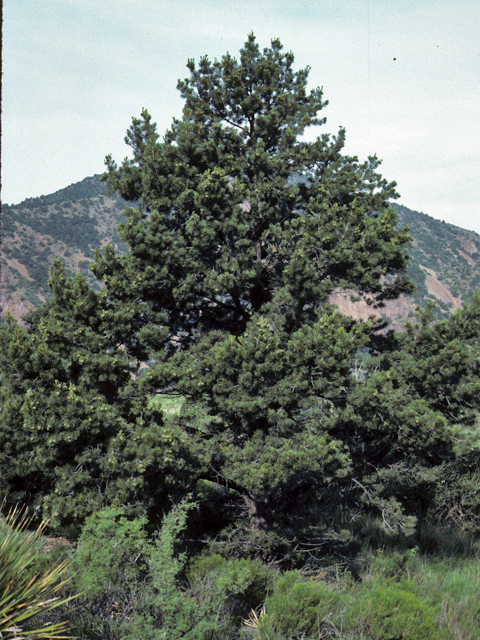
[[111, 564], [233, 587], [392, 611], [298, 609], [144, 587]]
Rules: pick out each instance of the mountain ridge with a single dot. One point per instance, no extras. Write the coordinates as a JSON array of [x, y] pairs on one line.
[[71, 222]]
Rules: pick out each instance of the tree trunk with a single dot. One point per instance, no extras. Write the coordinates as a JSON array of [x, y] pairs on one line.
[[256, 512]]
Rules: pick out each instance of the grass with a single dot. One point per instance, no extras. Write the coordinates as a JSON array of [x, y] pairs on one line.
[[399, 596], [167, 403]]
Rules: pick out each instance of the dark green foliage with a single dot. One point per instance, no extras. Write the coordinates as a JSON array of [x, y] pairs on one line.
[[74, 434], [410, 425], [242, 233], [456, 500]]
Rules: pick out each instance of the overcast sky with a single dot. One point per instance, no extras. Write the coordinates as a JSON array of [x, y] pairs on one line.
[[402, 76]]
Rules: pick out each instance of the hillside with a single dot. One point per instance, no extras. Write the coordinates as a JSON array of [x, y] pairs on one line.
[[71, 222], [445, 265]]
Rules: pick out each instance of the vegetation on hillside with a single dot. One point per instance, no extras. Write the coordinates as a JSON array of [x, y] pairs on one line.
[[228, 452], [70, 223], [447, 251]]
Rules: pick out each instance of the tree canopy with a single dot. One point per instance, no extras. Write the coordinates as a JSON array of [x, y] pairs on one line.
[[236, 210]]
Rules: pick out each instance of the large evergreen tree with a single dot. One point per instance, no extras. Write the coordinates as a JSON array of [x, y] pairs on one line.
[[240, 233]]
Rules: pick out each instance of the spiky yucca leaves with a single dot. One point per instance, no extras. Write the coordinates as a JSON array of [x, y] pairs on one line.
[[26, 596]]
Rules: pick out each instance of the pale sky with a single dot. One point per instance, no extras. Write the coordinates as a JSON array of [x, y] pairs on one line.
[[402, 76]]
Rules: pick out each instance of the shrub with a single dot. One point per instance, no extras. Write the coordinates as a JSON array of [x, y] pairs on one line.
[[297, 609], [393, 611], [145, 587]]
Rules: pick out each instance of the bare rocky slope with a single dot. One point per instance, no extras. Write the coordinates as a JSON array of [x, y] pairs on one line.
[[70, 223]]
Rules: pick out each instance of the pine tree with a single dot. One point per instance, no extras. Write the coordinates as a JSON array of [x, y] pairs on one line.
[[412, 425], [75, 434], [240, 233]]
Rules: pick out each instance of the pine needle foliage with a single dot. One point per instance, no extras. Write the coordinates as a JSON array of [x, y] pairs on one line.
[[241, 232]]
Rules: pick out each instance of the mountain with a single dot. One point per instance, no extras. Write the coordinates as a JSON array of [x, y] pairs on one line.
[[70, 223], [445, 265]]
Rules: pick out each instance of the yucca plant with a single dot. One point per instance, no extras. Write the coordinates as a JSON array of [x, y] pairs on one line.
[[26, 593]]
